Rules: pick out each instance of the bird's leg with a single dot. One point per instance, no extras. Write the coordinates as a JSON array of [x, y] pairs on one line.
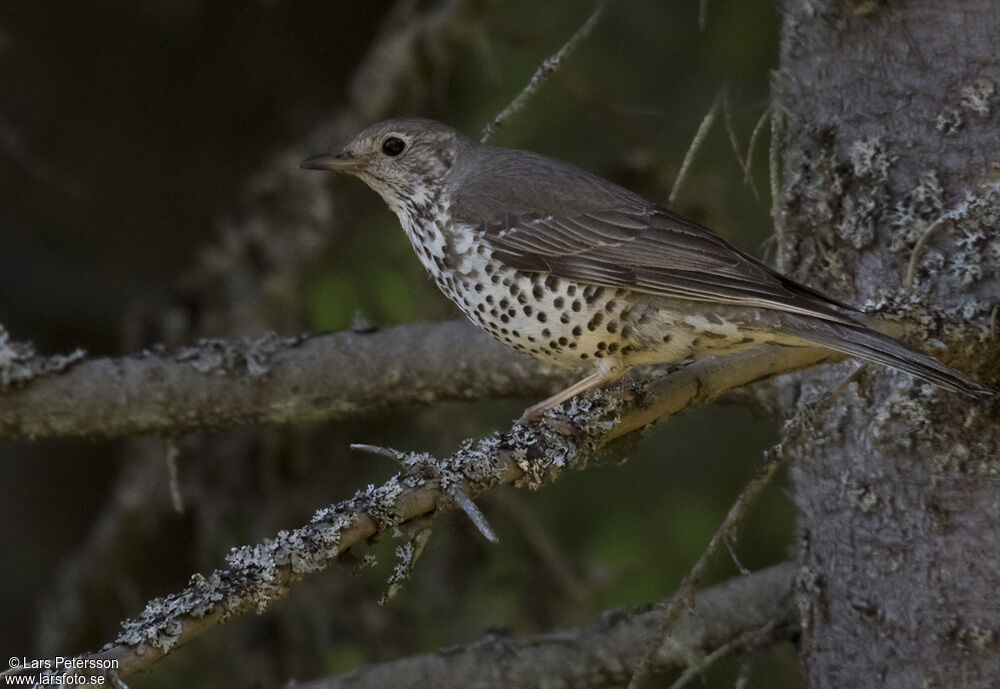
[[608, 371]]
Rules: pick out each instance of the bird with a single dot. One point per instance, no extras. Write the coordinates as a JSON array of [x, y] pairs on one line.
[[582, 273]]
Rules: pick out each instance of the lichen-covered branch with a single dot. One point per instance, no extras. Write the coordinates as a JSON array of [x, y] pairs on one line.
[[526, 455], [218, 384], [273, 380], [601, 654]]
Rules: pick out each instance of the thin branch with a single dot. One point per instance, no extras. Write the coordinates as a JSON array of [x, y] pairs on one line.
[[699, 137], [548, 67], [774, 167], [685, 592], [918, 249], [599, 655], [748, 170], [218, 384], [752, 637], [526, 455]]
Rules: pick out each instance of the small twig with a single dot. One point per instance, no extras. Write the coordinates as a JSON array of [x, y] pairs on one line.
[[747, 171], [736, 561], [407, 556], [918, 249], [743, 678], [727, 120], [173, 476], [685, 592], [774, 163], [722, 651], [380, 451], [544, 71], [474, 514], [455, 492], [699, 137]]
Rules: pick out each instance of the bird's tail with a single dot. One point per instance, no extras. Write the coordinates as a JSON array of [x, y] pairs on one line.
[[869, 344]]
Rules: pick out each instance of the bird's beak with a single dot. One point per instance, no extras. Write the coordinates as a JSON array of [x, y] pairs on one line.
[[334, 162]]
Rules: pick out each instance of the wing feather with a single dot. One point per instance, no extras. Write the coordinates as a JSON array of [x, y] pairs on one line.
[[651, 250]]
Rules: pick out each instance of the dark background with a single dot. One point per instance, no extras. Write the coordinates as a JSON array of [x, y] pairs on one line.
[[128, 133]]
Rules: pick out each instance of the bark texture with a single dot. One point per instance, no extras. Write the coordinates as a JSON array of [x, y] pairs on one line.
[[890, 114]]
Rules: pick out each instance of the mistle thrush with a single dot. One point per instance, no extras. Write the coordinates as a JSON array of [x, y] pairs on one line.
[[580, 272]]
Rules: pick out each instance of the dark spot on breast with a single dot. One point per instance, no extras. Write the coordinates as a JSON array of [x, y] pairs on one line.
[[546, 332], [612, 327], [602, 345], [537, 292], [489, 299], [480, 307], [595, 321], [494, 278], [527, 309], [599, 355], [713, 336], [584, 355], [564, 318], [627, 349], [511, 312], [577, 305], [504, 303], [571, 290], [541, 317], [626, 332], [666, 338], [558, 302], [610, 306], [613, 347], [577, 331], [504, 318], [515, 333], [551, 282], [563, 341]]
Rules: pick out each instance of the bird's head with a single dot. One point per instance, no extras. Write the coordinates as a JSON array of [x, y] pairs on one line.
[[405, 160]]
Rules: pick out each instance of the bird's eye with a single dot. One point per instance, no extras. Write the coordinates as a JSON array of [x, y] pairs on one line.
[[393, 146]]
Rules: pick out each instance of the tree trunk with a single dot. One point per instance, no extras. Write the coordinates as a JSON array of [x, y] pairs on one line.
[[890, 120]]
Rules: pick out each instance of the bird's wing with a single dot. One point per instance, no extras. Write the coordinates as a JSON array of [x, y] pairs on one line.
[[653, 250]]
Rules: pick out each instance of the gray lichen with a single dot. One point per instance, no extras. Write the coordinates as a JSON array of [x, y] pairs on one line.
[[225, 357], [977, 97], [20, 363], [252, 578]]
